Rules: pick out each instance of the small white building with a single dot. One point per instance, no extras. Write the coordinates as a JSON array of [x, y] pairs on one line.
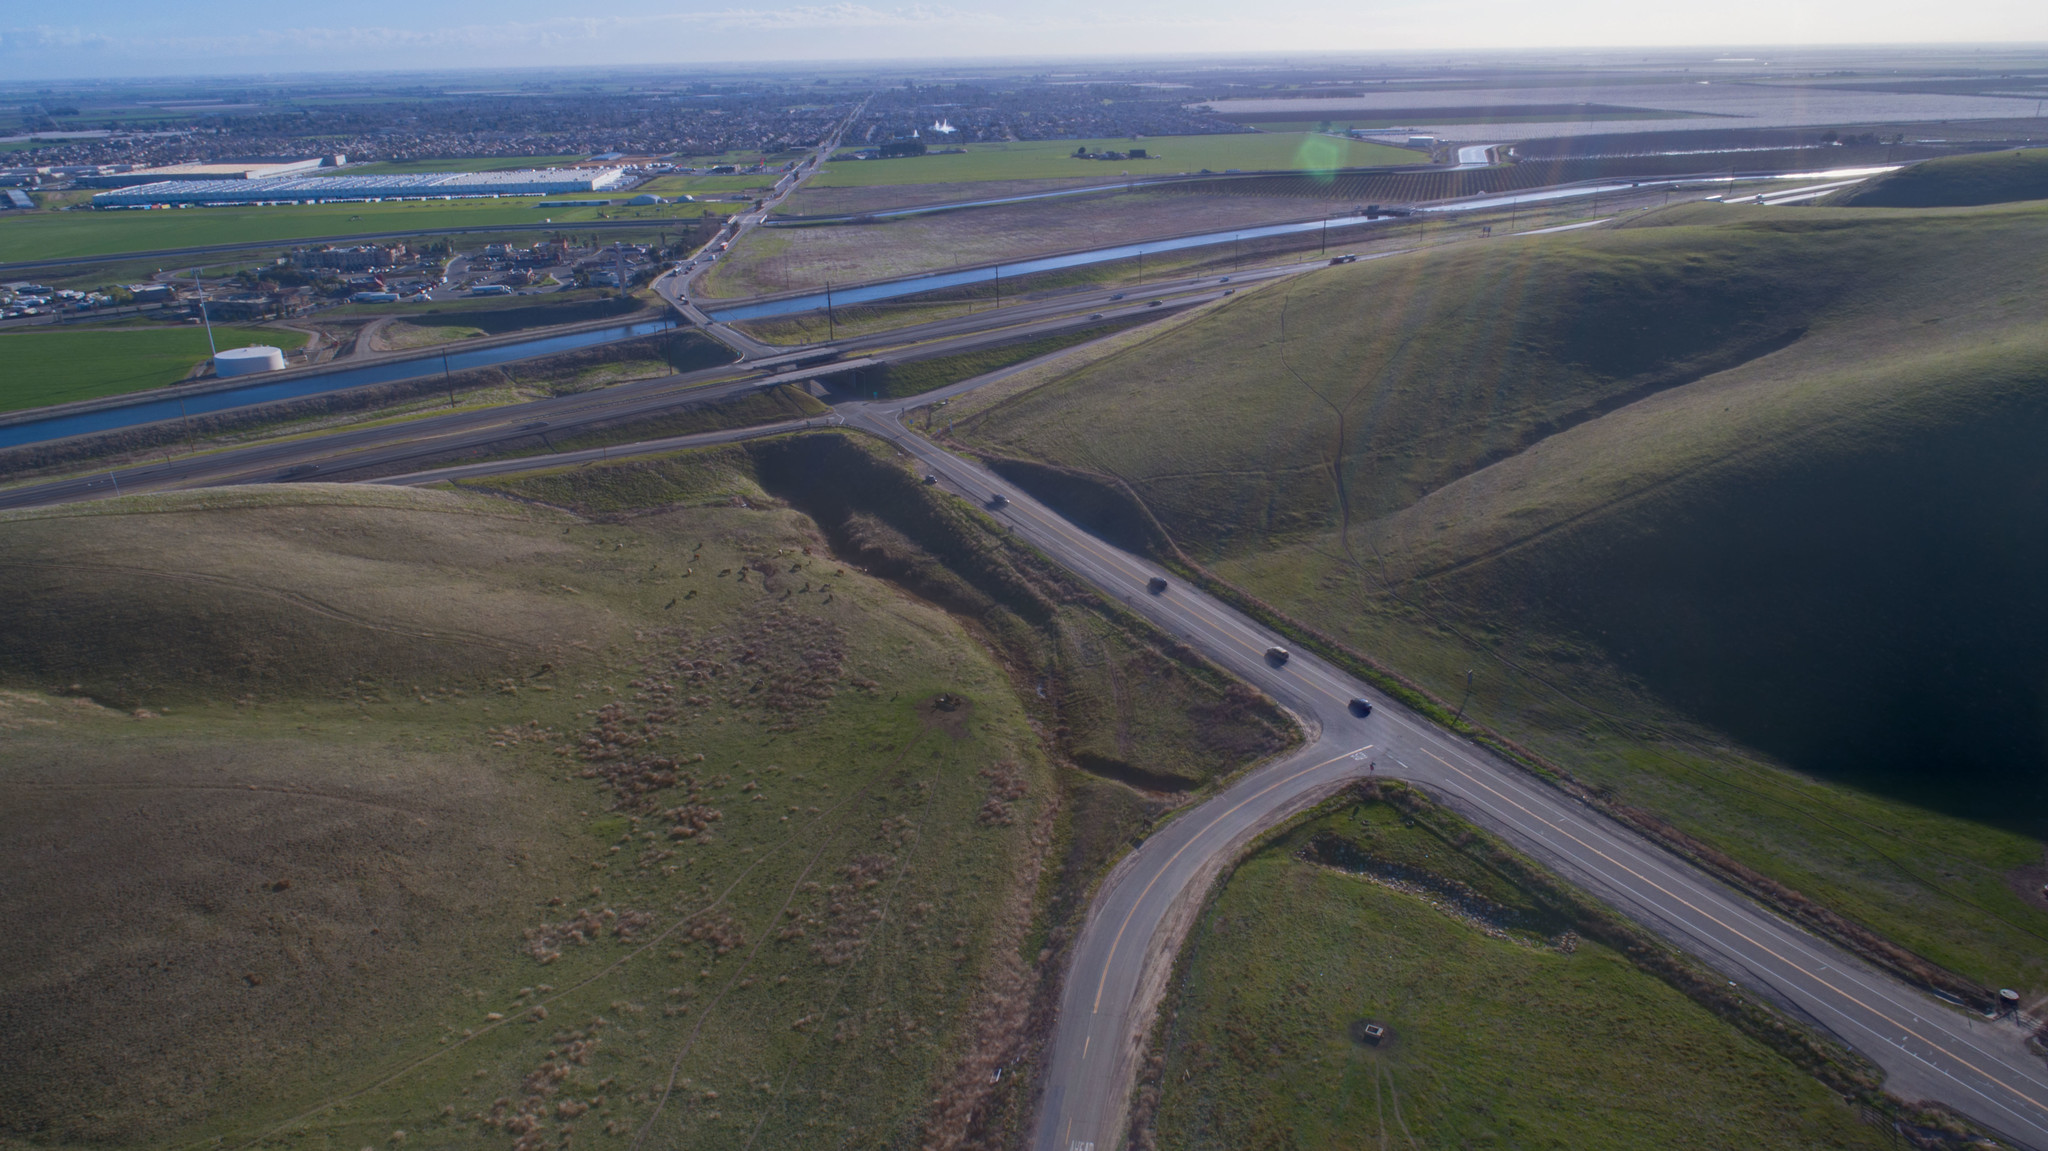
[[248, 361]]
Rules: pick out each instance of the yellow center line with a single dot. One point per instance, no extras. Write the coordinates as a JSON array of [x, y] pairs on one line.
[[1765, 948], [1164, 867]]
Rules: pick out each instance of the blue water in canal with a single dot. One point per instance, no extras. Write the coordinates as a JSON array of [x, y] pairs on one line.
[[258, 391]]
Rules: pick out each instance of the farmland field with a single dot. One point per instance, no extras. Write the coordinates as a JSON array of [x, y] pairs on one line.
[[57, 367], [1043, 159], [781, 259], [811, 200], [58, 235]]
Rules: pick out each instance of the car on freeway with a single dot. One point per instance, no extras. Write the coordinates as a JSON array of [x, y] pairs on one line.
[[1230, 291], [1277, 655], [930, 478], [1155, 585], [1118, 296], [1095, 315], [998, 500], [1361, 707]]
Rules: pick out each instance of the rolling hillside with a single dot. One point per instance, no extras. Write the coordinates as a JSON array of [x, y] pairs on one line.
[[1957, 181], [343, 812], [1717, 494]]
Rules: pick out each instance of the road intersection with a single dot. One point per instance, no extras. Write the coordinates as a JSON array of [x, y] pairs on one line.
[[1120, 962], [1119, 965]]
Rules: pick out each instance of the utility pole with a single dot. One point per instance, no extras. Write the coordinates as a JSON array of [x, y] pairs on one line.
[[1468, 699], [831, 327], [203, 317], [447, 377], [1326, 233]]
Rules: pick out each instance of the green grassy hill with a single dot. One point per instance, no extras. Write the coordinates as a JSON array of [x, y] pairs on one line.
[[693, 799], [1718, 493], [350, 811], [1957, 181]]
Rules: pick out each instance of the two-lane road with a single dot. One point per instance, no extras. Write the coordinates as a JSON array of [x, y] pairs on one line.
[[1120, 963]]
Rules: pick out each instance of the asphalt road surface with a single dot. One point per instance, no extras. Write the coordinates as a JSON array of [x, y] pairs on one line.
[[675, 284]]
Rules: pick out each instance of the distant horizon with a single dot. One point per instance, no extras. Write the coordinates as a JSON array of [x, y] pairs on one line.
[[897, 69], [129, 40]]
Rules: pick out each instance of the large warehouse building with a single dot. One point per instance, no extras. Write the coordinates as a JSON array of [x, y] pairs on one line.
[[319, 189]]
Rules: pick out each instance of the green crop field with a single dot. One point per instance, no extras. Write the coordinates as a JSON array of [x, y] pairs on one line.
[[1504, 1029], [1732, 511], [57, 367], [1042, 159], [59, 235]]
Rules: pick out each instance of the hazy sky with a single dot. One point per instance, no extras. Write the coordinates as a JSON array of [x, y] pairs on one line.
[[104, 38]]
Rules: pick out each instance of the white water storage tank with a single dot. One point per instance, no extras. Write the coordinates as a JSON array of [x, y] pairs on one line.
[[248, 361]]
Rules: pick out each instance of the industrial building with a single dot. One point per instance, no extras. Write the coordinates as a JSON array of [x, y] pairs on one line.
[[260, 168], [328, 189]]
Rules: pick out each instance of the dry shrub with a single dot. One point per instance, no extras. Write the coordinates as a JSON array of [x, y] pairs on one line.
[[841, 913], [1005, 784], [545, 942], [526, 1118]]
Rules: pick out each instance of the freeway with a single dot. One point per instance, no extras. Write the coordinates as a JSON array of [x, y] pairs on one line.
[[675, 284], [412, 443]]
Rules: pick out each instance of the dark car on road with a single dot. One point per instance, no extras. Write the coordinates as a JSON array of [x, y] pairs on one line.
[[1361, 707], [1276, 655], [1155, 585]]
